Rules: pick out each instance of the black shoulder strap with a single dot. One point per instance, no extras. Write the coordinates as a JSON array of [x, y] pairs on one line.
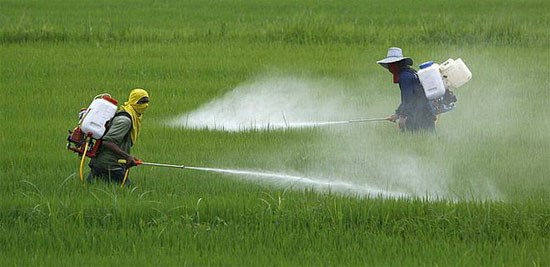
[[127, 115], [123, 113], [118, 113]]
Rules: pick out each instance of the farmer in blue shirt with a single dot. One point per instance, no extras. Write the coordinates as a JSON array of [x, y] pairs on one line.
[[415, 111]]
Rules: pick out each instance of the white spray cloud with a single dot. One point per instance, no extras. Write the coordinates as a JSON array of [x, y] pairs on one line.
[[282, 101], [271, 103], [294, 181]]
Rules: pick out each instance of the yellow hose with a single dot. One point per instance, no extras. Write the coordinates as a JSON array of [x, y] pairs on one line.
[[125, 177], [83, 159]]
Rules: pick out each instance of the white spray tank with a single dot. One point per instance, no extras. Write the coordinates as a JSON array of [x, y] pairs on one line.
[[431, 80], [100, 111], [455, 73]]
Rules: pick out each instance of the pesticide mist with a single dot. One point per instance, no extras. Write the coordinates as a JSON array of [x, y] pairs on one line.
[[274, 103], [293, 181], [351, 158]]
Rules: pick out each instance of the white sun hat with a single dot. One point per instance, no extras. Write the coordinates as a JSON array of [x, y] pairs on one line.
[[395, 54]]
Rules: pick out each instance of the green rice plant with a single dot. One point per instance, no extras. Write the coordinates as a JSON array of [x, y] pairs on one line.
[[478, 188]]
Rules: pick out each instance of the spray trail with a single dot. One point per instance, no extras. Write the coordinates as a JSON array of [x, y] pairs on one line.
[[339, 186]]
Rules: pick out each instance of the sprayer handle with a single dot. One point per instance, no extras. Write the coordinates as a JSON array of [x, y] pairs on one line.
[[123, 161]]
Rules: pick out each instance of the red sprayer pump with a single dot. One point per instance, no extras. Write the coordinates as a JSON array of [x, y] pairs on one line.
[[85, 139]]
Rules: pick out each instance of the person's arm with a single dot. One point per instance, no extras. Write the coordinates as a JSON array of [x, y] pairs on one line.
[[115, 148], [407, 82], [115, 135]]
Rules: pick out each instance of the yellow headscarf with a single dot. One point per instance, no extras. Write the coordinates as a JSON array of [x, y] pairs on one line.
[[135, 110]]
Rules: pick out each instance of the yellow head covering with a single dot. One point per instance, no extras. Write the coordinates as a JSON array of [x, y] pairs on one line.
[[135, 110]]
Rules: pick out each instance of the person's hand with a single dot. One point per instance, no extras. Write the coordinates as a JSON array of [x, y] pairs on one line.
[[393, 118], [131, 162]]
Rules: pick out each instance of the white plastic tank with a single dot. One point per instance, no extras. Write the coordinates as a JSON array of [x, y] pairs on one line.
[[100, 111], [455, 73], [431, 80]]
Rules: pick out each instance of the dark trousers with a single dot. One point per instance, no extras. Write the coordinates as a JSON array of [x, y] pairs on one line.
[[420, 123], [115, 175]]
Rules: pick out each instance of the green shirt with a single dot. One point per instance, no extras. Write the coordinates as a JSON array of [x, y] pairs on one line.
[[118, 133]]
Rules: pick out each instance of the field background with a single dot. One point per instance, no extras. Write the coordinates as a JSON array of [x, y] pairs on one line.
[[489, 159]]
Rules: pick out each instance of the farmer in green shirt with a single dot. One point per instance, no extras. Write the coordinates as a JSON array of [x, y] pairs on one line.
[[119, 138]]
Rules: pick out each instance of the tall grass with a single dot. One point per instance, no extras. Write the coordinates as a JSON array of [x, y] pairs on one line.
[[280, 22], [56, 55]]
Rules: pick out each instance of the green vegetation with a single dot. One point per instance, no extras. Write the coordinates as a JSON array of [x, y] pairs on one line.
[[492, 152], [324, 22]]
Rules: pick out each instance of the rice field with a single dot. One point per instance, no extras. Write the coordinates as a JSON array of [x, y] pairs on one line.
[[475, 193]]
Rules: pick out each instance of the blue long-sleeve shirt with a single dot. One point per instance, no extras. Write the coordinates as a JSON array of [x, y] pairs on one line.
[[414, 104]]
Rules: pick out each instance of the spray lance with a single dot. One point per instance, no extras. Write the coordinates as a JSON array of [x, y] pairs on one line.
[[324, 123], [368, 120], [139, 162]]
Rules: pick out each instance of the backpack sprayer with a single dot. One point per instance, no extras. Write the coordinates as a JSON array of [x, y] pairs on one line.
[[438, 82], [85, 139]]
